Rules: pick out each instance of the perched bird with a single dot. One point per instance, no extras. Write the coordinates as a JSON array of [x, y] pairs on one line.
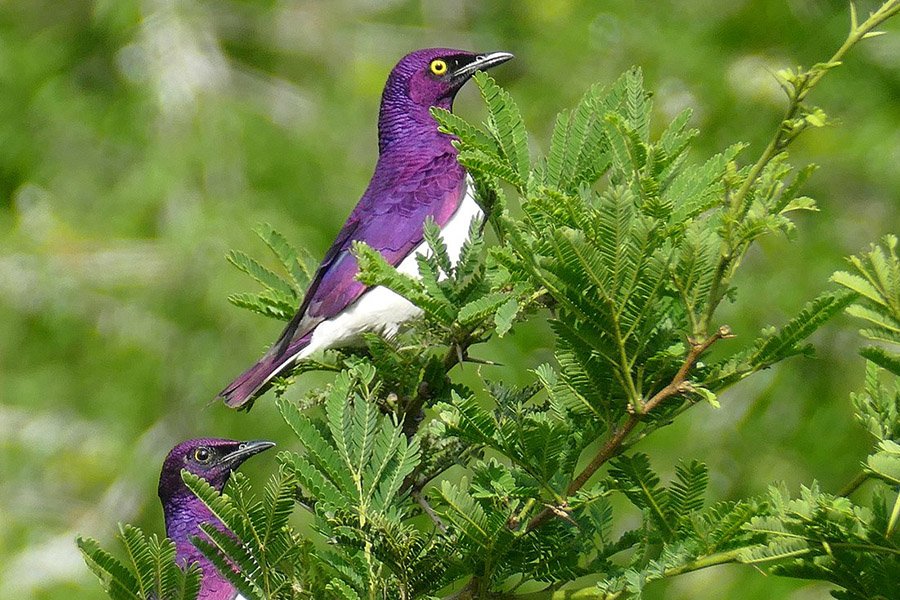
[[416, 177], [213, 460]]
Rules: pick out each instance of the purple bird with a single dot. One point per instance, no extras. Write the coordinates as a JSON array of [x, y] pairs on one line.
[[416, 177], [213, 460]]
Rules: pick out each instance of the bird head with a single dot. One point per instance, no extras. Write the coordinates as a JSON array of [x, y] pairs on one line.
[[212, 459], [431, 77]]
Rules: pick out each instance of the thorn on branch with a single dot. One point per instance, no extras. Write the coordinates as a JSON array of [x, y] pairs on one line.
[[562, 511], [686, 387]]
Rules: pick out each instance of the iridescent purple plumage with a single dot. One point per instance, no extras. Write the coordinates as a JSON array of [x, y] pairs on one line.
[[214, 460], [416, 177]]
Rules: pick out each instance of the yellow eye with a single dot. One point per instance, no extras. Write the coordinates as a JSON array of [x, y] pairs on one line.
[[202, 455], [438, 67]]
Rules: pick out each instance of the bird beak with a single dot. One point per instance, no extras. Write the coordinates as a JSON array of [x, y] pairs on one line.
[[482, 62], [246, 450]]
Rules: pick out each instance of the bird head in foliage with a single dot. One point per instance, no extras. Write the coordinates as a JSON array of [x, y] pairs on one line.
[[212, 459]]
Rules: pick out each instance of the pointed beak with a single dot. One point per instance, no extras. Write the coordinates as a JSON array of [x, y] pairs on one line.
[[482, 62], [245, 451]]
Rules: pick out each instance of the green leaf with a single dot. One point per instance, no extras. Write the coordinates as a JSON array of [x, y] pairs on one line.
[[225, 552], [467, 419], [857, 284], [342, 590], [877, 281], [633, 475], [479, 308], [878, 407], [290, 258], [507, 126], [356, 470], [579, 150], [774, 551], [708, 395], [637, 103], [688, 489], [506, 316], [117, 579], [885, 463], [432, 234], [151, 571], [801, 203], [697, 189], [266, 304], [469, 136], [723, 523], [785, 342], [260, 273], [487, 165], [889, 361], [375, 270]]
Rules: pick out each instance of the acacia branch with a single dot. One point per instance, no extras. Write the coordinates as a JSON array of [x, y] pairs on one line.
[[792, 124], [678, 385], [595, 593]]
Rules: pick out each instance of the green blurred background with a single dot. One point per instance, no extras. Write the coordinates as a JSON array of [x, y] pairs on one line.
[[142, 139]]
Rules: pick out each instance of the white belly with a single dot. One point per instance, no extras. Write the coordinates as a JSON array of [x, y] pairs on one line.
[[382, 311]]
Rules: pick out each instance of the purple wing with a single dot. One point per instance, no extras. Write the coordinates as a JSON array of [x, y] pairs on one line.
[[389, 218]]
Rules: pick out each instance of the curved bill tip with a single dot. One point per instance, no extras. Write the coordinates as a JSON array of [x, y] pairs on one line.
[[248, 449], [491, 59], [482, 62]]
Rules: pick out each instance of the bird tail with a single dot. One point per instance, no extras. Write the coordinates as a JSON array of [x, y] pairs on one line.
[[251, 383]]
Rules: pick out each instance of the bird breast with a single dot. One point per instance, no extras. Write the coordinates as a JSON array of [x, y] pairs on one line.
[[382, 311]]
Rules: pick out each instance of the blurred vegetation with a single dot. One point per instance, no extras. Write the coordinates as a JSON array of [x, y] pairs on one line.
[[141, 140]]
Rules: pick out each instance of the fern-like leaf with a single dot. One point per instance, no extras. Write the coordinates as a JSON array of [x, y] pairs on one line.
[[150, 573], [786, 342], [507, 126]]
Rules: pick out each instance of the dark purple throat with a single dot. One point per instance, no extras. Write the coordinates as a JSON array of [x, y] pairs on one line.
[[183, 515]]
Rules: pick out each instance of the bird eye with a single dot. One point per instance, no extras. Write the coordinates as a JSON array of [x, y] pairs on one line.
[[202, 455], [438, 67]]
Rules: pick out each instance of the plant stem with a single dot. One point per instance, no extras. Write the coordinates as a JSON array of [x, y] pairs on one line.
[[678, 385], [895, 515], [594, 593], [854, 484], [804, 84], [591, 593], [712, 560]]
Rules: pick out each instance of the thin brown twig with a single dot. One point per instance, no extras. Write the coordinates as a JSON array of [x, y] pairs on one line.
[[678, 385]]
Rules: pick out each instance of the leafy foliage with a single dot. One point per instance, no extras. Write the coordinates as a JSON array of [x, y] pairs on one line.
[[627, 245], [821, 536], [281, 295], [876, 280], [263, 558], [352, 475], [149, 572], [265, 554]]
